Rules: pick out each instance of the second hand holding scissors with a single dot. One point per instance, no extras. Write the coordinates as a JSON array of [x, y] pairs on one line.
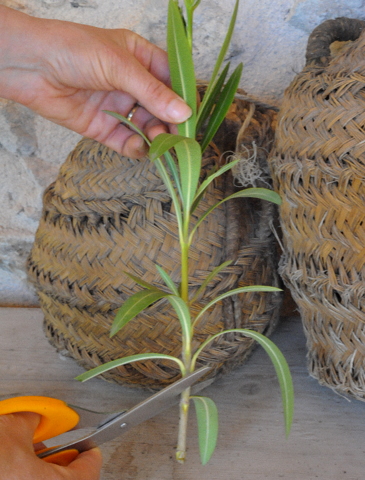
[[58, 418]]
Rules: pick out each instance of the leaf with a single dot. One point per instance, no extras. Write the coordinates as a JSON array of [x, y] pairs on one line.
[[129, 124], [133, 306], [141, 282], [222, 53], [207, 418], [226, 43], [181, 66], [173, 169], [168, 280], [218, 173], [210, 277], [279, 362], [123, 361], [283, 374], [170, 187], [235, 291], [162, 143], [191, 4], [210, 98], [221, 109], [189, 156], [261, 193], [183, 313]]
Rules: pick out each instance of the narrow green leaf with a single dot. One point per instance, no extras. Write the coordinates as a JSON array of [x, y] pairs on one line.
[[223, 50], [282, 372], [141, 282], [173, 170], [129, 124], [223, 104], [210, 277], [168, 280], [279, 362], [218, 173], [189, 156], [158, 148], [163, 143], [209, 99], [133, 306], [235, 291], [261, 193], [191, 4], [226, 42], [181, 66], [131, 359], [170, 187], [207, 418], [183, 313]]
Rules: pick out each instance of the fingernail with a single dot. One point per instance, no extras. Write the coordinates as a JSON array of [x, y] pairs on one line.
[[178, 111]]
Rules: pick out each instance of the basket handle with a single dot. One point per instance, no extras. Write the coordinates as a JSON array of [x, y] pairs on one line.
[[340, 29]]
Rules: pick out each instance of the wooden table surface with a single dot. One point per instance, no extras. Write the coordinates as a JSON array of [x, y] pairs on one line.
[[327, 440]]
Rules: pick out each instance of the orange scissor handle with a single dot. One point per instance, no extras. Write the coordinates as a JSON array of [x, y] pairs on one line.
[[56, 416], [63, 458]]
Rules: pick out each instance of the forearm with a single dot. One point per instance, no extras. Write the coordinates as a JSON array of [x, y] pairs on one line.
[[18, 47]]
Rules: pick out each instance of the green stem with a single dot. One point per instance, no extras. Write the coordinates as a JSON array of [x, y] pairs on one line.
[[185, 246], [183, 424], [186, 340], [184, 272]]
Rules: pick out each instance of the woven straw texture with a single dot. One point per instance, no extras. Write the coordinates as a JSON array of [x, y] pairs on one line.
[[106, 214], [318, 164]]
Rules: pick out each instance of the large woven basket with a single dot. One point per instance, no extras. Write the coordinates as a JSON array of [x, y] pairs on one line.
[[318, 164], [106, 214]]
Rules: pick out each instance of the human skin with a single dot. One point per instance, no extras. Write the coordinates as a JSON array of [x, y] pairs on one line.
[[71, 73], [19, 462]]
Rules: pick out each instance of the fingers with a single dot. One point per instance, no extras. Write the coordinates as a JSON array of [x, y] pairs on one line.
[[146, 77], [124, 139], [22, 426], [87, 466], [135, 147], [18, 460], [155, 96]]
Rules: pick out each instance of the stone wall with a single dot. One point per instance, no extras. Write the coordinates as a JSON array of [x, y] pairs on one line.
[[270, 39]]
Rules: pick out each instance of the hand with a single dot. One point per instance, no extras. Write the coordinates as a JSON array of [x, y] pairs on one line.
[[19, 462], [70, 73]]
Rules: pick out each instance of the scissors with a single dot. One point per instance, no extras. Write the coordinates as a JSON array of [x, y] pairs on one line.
[[58, 418]]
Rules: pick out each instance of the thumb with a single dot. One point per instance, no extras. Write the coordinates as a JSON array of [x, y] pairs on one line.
[[143, 72], [155, 96]]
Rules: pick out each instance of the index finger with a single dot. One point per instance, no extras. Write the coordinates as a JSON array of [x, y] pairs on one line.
[[56, 416]]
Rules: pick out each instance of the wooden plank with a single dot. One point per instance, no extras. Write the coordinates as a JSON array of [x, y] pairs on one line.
[[326, 443]]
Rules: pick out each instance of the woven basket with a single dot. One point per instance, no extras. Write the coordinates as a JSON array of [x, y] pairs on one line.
[[106, 214], [318, 164]]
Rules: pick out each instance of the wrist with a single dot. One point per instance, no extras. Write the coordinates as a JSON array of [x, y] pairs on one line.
[[19, 48]]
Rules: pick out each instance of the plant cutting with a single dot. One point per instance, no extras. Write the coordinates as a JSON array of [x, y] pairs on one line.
[[178, 159]]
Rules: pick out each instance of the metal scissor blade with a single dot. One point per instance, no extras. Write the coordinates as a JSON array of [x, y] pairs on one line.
[[145, 410]]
